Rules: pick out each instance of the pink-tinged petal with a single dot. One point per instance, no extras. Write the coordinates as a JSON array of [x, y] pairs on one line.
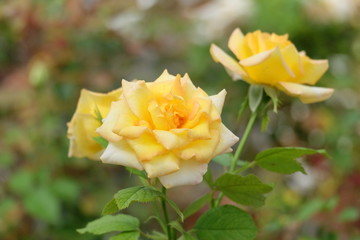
[[305, 93], [161, 165], [218, 100], [234, 68], [190, 173], [120, 153], [227, 139], [137, 96], [235, 42], [267, 67], [312, 70], [146, 147], [171, 140]]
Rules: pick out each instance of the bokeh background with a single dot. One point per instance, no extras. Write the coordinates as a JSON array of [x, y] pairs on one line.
[[49, 50]]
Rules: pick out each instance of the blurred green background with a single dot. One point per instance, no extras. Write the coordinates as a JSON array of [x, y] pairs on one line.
[[49, 50]]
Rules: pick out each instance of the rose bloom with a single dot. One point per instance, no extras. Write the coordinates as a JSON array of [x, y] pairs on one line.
[[168, 127], [86, 119], [272, 60]]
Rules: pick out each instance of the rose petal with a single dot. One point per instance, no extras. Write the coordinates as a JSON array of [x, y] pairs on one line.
[[81, 133], [201, 150], [305, 93], [146, 147], [292, 59], [120, 153], [227, 139], [165, 76], [312, 70], [236, 71], [138, 96], [235, 42], [218, 100], [267, 67], [159, 120], [161, 165], [190, 173], [120, 116], [171, 140]]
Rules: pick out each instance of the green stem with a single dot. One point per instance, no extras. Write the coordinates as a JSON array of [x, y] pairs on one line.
[[166, 216], [243, 141], [247, 166], [238, 152]]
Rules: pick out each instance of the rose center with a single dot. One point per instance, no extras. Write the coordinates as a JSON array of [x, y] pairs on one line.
[[174, 111]]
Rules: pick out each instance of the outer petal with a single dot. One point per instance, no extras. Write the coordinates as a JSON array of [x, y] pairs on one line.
[[165, 76], [267, 67], [218, 100], [120, 153], [161, 165], [138, 96], [312, 70], [81, 133], [235, 41], [227, 139], [190, 173], [292, 59], [235, 69], [306, 94], [118, 110]]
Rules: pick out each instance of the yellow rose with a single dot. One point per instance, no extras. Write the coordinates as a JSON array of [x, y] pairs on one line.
[[272, 60], [168, 127], [91, 108]]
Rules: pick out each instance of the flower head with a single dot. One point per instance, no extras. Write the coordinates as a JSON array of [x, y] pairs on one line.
[[272, 60], [87, 118], [168, 127]]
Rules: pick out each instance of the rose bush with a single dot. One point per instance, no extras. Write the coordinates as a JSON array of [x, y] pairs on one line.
[[168, 127], [272, 60], [90, 109]]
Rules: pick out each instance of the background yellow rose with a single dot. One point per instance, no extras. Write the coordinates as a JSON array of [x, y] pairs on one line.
[[272, 60], [168, 127], [92, 106]]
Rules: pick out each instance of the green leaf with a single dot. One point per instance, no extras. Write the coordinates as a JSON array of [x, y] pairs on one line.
[[246, 190], [243, 105], [110, 208], [309, 209], [273, 94], [223, 159], [22, 182], [42, 204], [283, 159], [98, 115], [225, 222], [197, 205], [66, 189], [265, 121], [175, 207], [126, 236], [102, 141], [255, 96], [125, 197], [157, 236], [208, 178], [349, 214], [137, 172], [176, 225], [186, 236], [111, 223]]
